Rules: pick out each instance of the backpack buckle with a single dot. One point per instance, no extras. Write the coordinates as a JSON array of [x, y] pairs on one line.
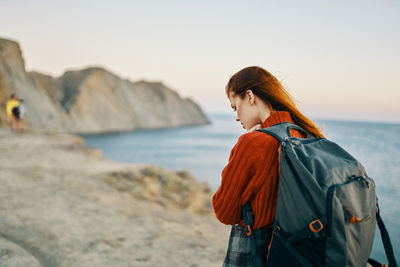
[[248, 230], [316, 226]]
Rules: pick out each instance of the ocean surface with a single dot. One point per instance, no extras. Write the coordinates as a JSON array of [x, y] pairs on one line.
[[204, 151]]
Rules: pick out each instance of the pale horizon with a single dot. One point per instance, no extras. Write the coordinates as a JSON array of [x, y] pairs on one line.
[[338, 60]]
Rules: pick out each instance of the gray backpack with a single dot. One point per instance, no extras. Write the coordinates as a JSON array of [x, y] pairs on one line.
[[327, 207]]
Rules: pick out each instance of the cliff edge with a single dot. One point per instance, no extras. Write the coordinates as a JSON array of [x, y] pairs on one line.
[[63, 204]]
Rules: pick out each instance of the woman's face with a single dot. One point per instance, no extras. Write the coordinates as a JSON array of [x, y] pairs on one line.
[[246, 110]]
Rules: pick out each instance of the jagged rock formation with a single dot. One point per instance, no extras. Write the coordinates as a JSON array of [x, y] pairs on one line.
[[91, 100]]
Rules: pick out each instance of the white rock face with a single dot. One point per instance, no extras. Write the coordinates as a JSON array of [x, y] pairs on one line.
[[91, 100]]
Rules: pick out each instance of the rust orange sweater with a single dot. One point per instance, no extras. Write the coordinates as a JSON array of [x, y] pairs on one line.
[[252, 174]]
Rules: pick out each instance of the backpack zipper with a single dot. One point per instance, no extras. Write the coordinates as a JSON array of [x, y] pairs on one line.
[[353, 178], [361, 179]]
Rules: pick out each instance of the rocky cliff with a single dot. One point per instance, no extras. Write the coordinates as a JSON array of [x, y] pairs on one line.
[[90, 100]]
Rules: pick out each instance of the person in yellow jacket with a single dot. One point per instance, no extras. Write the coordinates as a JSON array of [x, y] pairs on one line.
[[12, 110]]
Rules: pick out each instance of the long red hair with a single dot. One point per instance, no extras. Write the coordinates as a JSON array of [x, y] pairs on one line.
[[270, 90]]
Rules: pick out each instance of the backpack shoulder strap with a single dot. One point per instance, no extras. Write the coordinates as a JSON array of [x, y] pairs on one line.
[[249, 223], [386, 240], [281, 131]]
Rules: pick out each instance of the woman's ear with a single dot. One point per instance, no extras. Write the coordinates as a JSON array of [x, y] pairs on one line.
[[250, 96]]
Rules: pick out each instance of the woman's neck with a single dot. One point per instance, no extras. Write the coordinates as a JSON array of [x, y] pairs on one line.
[[264, 111]]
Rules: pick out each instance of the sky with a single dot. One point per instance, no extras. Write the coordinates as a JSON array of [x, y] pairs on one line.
[[338, 59]]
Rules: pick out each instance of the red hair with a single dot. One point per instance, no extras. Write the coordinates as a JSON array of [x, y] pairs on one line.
[[264, 85]]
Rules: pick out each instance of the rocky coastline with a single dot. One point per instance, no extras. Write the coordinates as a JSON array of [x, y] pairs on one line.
[[90, 100]]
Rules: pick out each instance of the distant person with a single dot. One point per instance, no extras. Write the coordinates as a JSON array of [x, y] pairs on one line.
[[12, 110]]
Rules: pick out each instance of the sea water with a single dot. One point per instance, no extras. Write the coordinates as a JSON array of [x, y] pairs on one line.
[[204, 151]]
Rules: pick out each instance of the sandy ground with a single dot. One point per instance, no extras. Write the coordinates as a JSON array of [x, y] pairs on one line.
[[57, 210]]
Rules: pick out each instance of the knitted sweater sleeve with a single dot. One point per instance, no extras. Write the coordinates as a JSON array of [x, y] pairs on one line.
[[242, 166]]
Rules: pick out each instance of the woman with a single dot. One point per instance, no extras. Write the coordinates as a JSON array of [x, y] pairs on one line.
[[251, 175]]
